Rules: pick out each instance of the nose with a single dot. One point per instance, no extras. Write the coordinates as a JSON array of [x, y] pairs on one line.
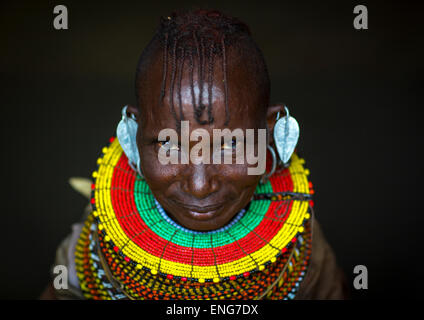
[[200, 181]]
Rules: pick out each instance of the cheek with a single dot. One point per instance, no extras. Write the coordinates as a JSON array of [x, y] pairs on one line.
[[237, 176], [239, 183], [156, 174]]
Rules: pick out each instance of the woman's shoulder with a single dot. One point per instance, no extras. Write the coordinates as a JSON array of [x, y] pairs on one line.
[[65, 252]]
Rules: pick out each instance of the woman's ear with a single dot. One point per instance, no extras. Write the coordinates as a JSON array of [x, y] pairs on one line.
[[271, 116]]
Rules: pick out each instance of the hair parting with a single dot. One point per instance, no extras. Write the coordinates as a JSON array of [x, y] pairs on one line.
[[165, 66], [210, 83], [224, 71], [171, 89], [180, 68]]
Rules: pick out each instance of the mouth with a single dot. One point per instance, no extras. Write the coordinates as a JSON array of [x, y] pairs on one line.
[[200, 212]]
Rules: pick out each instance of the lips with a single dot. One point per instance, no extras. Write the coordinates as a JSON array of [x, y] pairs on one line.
[[202, 209], [200, 212]]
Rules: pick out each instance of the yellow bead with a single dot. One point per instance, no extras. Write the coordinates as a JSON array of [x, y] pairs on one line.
[[94, 174], [153, 271], [104, 150], [139, 266], [101, 227], [107, 238], [307, 172], [273, 259], [99, 161], [201, 280], [95, 213], [261, 267], [307, 216], [301, 229], [215, 279]]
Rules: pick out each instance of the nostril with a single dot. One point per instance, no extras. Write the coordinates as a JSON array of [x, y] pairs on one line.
[[184, 186]]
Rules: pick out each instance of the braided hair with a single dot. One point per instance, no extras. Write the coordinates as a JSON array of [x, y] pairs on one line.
[[201, 37]]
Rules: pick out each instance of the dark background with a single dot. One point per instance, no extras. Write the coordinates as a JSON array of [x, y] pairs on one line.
[[356, 95]]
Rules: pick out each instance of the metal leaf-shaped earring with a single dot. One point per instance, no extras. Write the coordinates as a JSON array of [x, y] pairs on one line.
[[126, 132], [286, 135]]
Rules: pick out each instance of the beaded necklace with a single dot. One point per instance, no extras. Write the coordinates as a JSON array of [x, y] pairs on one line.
[[129, 248]]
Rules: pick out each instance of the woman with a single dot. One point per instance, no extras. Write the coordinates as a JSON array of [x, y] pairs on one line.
[[200, 229]]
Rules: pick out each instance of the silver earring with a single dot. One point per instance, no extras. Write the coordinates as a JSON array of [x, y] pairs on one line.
[[274, 164], [286, 135], [126, 132]]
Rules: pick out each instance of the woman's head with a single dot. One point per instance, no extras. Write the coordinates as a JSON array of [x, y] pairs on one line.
[[202, 67]]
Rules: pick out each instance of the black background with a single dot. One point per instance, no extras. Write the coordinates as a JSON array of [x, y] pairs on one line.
[[354, 93]]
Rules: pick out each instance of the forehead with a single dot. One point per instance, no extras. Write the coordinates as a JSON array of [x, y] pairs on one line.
[[245, 106]]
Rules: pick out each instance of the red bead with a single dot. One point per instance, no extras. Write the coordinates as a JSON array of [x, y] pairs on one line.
[[293, 240], [93, 201], [183, 278], [311, 203], [170, 276], [246, 274], [111, 139], [284, 250], [93, 186], [116, 248], [233, 278], [127, 259]]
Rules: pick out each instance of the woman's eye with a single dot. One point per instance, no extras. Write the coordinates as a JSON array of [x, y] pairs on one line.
[[228, 146], [168, 145]]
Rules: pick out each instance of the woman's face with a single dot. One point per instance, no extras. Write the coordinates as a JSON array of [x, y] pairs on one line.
[[198, 196]]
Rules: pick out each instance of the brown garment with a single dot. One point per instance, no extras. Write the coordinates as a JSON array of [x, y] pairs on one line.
[[324, 279]]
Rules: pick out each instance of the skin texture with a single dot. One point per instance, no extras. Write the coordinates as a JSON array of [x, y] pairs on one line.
[[200, 197]]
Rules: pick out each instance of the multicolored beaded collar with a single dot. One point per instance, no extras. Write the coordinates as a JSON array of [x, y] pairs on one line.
[[130, 248]]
